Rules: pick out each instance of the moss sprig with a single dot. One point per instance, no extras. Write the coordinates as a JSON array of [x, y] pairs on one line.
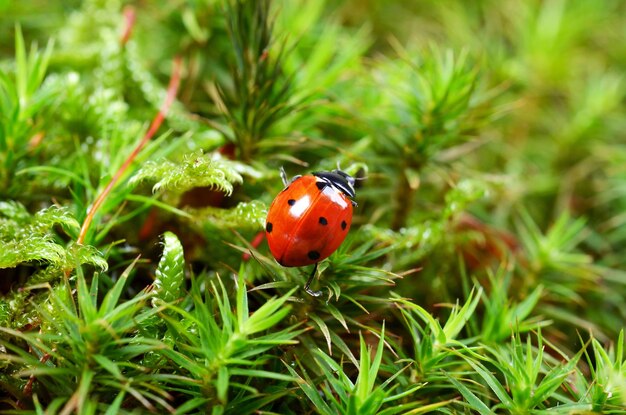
[[195, 170]]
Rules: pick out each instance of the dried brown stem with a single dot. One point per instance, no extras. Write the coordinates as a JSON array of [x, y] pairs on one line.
[[172, 89], [28, 388]]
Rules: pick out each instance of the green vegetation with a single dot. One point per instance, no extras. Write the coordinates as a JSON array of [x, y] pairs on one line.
[[485, 268]]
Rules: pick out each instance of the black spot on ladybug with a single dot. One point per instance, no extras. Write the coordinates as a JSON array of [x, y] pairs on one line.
[[314, 255], [291, 202], [343, 225], [320, 185], [269, 227], [323, 221]]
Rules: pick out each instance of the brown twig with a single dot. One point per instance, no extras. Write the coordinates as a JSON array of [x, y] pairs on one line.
[[28, 388], [172, 89]]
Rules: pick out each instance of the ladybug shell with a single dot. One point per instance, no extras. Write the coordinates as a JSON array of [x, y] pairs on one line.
[[307, 222]]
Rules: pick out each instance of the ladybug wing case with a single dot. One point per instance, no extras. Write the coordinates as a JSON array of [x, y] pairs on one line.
[[306, 223]]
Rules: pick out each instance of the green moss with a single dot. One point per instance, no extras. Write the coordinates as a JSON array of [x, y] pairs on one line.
[[484, 268]]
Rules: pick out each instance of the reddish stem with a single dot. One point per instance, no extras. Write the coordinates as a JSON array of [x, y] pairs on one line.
[[172, 89], [255, 243], [28, 388], [129, 23]]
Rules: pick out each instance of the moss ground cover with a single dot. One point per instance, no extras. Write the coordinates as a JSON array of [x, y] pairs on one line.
[[140, 148]]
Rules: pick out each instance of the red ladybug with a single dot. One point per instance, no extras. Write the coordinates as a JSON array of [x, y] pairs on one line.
[[310, 218]]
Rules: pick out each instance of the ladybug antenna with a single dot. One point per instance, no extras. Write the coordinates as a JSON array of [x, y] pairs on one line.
[[283, 176]]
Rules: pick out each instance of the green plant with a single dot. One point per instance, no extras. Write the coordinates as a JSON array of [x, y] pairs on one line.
[[22, 99], [607, 391], [140, 148], [84, 350]]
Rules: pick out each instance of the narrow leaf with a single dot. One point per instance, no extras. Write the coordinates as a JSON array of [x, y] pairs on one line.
[[469, 396]]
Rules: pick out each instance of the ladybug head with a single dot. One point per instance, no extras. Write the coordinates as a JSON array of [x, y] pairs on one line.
[[339, 179]]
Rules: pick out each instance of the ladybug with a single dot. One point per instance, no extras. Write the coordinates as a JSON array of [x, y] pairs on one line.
[[310, 218]]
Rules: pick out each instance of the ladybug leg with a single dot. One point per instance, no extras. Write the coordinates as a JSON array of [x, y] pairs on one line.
[[307, 286], [283, 177]]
